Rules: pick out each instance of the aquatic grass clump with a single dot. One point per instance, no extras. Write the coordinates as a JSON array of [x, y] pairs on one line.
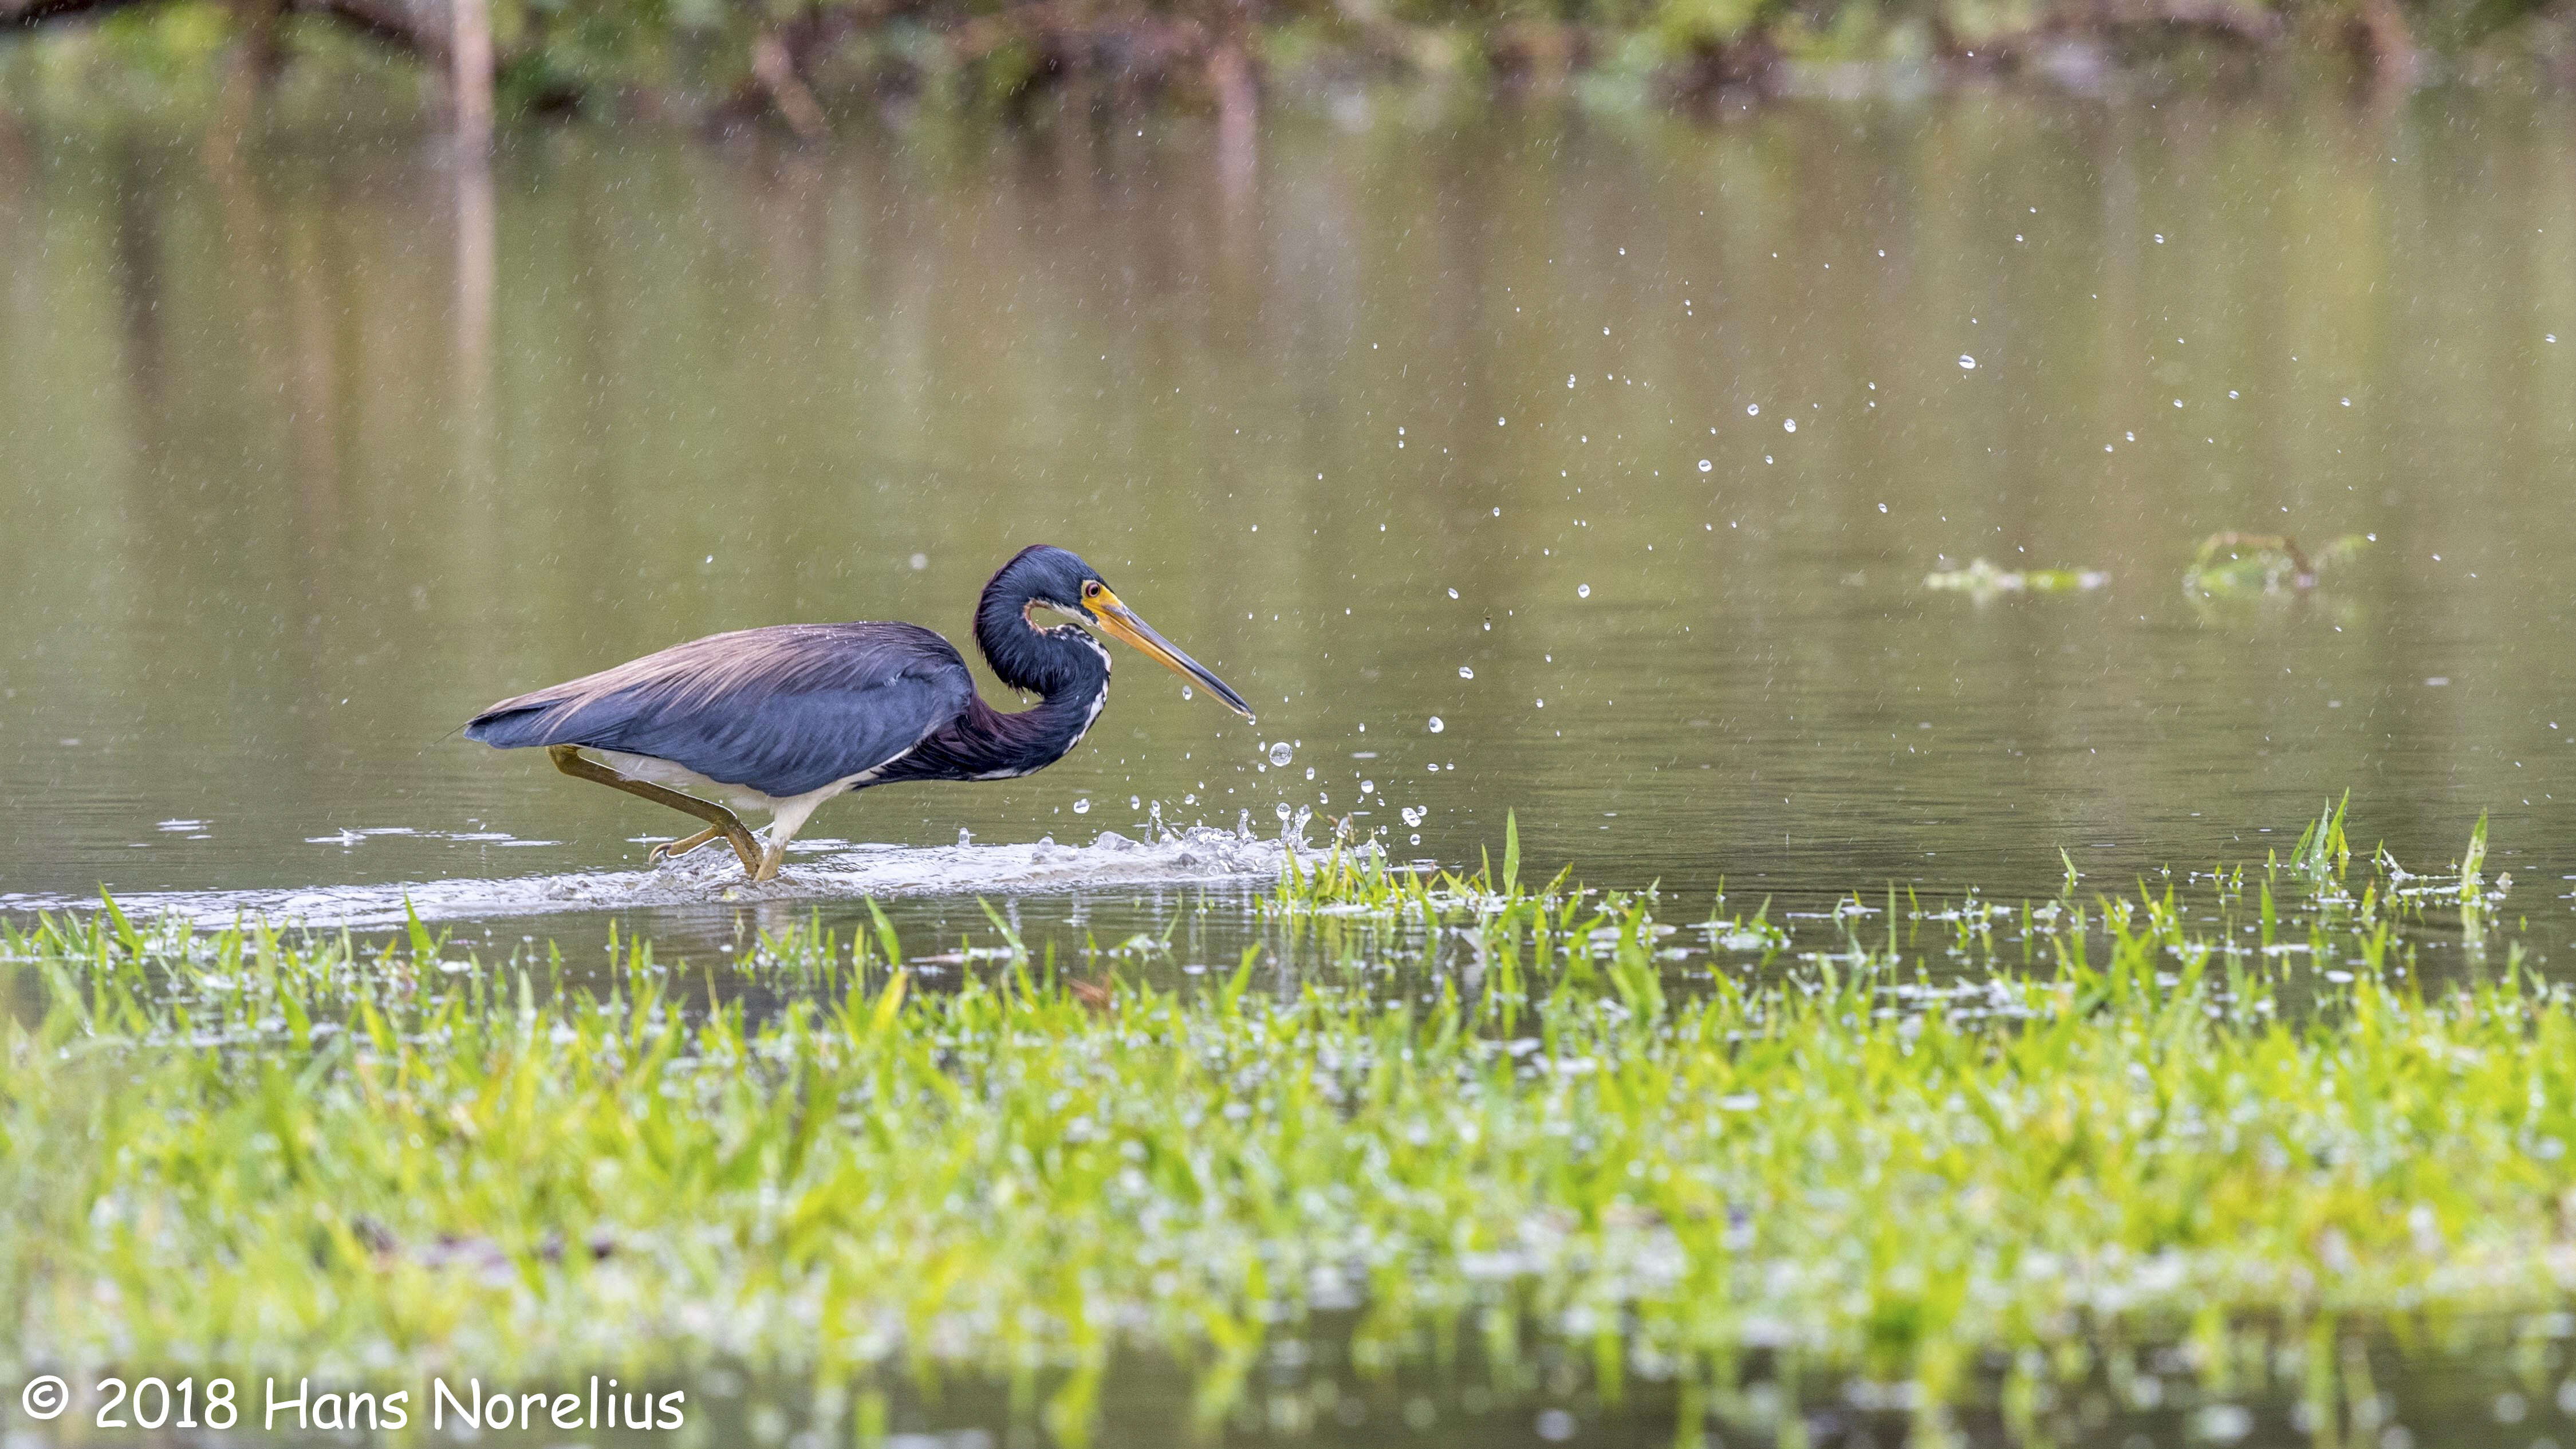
[[1354, 878], [2200, 1120]]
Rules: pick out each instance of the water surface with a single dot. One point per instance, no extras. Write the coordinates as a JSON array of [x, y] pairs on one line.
[[1460, 444]]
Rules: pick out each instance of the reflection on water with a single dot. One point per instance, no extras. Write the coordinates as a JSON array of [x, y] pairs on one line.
[[314, 451]]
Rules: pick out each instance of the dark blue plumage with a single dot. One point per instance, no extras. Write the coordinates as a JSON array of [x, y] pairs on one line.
[[803, 705], [783, 717]]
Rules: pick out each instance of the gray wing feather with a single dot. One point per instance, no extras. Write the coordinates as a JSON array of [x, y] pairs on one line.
[[781, 710]]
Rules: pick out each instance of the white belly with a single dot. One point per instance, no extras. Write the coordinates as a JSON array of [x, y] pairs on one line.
[[787, 813], [681, 777]]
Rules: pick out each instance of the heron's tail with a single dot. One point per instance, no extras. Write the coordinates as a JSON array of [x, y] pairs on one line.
[[513, 726]]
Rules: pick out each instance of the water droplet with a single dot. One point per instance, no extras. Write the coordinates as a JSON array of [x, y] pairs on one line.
[[1412, 815], [1310, 772], [1453, 593], [1368, 787], [1542, 704], [1465, 673], [1188, 693], [1280, 753], [1967, 363], [1135, 802], [1788, 425], [918, 561], [1081, 807], [1753, 410], [1583, 591], [1436, 725], [1704, 465], [1417, 840]]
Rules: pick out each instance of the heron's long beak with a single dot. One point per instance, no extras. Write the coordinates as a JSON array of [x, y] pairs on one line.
[[1121, 623]]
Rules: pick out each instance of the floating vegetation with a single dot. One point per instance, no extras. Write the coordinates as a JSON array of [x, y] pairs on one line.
[[2251, 565], [1950, 1150], [1981, 580]]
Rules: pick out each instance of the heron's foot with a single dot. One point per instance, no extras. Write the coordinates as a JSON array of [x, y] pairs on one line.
[[674, 849], [746, 846], [771, 858]]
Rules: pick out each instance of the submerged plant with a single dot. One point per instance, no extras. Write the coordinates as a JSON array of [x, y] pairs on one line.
[[2234, 565], [1981, 580]]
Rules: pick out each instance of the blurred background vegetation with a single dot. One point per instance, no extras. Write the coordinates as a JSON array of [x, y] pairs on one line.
[[813, 64]]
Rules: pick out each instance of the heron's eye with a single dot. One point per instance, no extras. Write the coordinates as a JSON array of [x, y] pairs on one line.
[[1091, 588]]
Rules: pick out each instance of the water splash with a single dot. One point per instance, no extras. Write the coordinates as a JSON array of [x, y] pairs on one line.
[[1200, 855]]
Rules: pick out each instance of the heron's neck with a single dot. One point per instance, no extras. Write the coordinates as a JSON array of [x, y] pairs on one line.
[[1049, 662], [1065, 667]]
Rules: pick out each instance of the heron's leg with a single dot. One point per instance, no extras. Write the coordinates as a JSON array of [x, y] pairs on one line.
[[670, 849], [789, 818], [568, 759]]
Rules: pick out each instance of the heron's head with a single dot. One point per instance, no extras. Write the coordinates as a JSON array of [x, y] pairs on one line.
[[1055, 578]]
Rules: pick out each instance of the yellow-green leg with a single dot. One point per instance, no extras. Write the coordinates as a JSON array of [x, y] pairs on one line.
[[672, 849], [720, 821]]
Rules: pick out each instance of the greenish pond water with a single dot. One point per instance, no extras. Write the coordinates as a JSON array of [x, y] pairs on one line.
[[312, 450], [1582, 468]]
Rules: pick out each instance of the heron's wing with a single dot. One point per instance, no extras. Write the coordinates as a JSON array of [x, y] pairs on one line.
[[781, 710]]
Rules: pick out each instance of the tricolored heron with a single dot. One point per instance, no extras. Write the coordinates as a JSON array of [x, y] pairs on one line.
[[784, 718]]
